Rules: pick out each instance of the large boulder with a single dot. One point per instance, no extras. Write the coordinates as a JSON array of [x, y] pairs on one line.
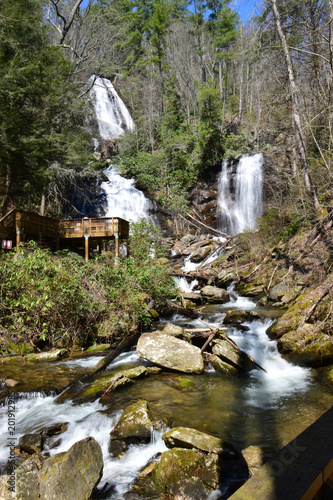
[[170, 352], [214, 294], [134, 426], [186, 437], [27, 478], [190, 474], [72, 475]]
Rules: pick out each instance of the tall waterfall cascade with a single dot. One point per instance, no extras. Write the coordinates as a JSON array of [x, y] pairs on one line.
[[123, 199], [240, 197], [111, 113]]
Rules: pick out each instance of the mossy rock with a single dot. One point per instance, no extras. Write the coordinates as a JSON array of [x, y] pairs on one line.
[[20, 348], [98, 348], [189, 438], [121, 378], [48, 356], [185, 473], [314, 350], [249, 289], [326, 375]]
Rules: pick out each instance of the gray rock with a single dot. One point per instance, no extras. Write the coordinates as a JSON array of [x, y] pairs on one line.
[[134, 423], [31, 443], [27, 478], [277, 291], [254, 457], [170, 352], [186, 437], [5, 492], [224, 278], [201, 253], [222, 367], [134, 426], [233, 356], [72, 475], [214, 295]]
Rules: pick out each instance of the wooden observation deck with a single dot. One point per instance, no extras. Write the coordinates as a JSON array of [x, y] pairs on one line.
[[19, 225]]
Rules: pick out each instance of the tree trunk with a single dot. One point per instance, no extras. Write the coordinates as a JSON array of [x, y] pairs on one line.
[[296, 118]]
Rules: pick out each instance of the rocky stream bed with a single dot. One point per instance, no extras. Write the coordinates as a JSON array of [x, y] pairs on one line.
[[190, 412]]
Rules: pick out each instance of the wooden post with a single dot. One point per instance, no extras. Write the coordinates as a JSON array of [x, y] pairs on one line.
[[18, 228], [86, 247], [116, 237]]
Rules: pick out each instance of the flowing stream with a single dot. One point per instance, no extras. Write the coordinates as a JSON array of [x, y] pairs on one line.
[[259, 408]]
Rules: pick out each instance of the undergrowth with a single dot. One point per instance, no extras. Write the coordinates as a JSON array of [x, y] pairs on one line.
[[59, 299]]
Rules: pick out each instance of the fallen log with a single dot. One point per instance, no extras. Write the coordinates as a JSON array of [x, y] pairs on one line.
[[126, 343]]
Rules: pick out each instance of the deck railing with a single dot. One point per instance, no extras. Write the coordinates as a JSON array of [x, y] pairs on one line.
[[98, 227]]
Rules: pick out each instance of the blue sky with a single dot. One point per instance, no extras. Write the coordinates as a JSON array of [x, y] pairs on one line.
[[244, 7]]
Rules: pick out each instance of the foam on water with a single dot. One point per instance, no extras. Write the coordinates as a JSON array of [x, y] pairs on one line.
[[281, 378]]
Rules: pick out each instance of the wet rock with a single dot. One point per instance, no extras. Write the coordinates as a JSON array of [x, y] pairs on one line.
[[31, 443], [249, 289], [201, 253], [54, 430], [9, 382], [306, 348], [291, 295], [179, 383], [27, 478], [233, 356], [214, 295], [176, 331], [134, 426], [170, 352], [72, 475], [326, 375], [186, 437], [53, 355], [237, 317], [222, 367], [195, 298], [225, 278], [121, 378], [184, 473], [98, 348], [195, 247], [254, 457]]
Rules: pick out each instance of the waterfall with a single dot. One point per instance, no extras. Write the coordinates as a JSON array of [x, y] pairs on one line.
[[123, 199], [241, 194], [111, 113]]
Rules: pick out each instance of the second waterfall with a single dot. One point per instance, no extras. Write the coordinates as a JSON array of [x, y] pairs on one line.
[[241, 194]]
